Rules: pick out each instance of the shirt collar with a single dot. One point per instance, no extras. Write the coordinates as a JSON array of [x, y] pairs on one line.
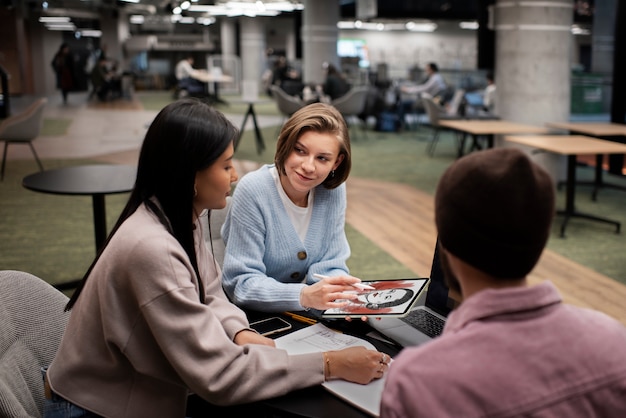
[[502, 302]]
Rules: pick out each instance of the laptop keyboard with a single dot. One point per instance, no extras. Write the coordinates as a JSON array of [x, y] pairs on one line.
[[424, 321]]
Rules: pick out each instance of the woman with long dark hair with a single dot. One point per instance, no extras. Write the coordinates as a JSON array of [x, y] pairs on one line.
[[150, 323]]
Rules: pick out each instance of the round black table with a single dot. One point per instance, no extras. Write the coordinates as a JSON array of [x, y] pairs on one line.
[[86, 180]]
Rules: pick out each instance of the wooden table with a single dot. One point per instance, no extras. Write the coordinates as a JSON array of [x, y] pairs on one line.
[[572, 146], [488, 128], [210, 77], [311, 402], [603, 130]]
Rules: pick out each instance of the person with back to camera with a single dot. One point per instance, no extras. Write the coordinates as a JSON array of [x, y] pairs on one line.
[[287, 219], [510, 349], [101, 79], [63, 66], [335, 85], [149, 322]]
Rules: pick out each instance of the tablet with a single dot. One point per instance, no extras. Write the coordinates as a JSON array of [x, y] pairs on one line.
[[387, 298]]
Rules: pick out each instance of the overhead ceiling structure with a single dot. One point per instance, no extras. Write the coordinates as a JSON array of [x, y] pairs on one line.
[[411, 15]]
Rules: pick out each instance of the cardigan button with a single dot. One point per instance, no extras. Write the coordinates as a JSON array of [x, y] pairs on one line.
[[295, 275], [301, 255]]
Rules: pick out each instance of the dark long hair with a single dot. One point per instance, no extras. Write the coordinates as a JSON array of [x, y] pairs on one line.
[[185, 137]]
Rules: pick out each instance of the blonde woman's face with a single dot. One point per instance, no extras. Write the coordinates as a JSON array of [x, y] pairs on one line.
[[310, 162]]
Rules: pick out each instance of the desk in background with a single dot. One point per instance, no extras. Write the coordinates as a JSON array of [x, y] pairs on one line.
[[602, 130], [215, 79], [86, 180], [487, 128], [571, 146]]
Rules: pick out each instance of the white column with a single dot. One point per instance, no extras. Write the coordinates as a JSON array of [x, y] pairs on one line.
[[319, 38], [110, 27], [252, 48], [533, 44], [228, 36], [123, 33]]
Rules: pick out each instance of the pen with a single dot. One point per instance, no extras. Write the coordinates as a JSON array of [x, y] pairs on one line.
[[360, 286], [300, 318]]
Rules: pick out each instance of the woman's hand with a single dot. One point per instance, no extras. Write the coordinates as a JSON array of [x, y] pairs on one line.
[[356, 364], [251, 337], [329, 292]]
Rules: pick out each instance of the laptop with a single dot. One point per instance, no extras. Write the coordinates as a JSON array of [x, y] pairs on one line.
[[425, 321], [474, 99]]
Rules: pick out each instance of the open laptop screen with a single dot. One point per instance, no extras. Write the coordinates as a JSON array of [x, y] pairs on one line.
[[474, 99], [437, 297]]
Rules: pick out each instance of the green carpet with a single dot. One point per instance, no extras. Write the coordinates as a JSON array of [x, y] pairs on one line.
[[55, 127], [50, 236]]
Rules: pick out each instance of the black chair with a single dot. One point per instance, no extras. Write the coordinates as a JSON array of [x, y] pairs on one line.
[[435, 114]]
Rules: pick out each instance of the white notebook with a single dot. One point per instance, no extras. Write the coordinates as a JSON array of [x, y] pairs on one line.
[[319, 338]]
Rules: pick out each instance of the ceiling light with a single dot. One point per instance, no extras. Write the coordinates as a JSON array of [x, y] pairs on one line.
[[90, 33], [388, 26], [206, 21], [579, 30], [54, 19], [239, 8], [66, 27], [469, 25], [137, 19], [423, 27]]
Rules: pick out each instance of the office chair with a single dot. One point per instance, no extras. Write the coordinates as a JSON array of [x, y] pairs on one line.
[[435, 114], [32, 322], [352, 104], [287, 105], [23, 128]]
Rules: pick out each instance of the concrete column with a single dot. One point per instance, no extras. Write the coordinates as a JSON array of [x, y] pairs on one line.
[[252, 49], [228, 36], [290, 45], [113, 34], [319, 38], [533, 42]]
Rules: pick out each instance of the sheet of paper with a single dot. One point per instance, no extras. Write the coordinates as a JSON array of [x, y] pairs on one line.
[[319, 338]]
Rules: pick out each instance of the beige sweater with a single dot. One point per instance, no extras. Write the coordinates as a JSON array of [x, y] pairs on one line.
[[138, 339]]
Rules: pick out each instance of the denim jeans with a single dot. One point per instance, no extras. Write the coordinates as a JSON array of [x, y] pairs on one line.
[[57, 407]]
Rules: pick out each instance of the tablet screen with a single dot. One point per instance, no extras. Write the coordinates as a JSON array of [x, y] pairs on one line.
[[387, 298]]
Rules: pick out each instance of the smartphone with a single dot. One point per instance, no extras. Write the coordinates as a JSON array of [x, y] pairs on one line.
[[270, 326]]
